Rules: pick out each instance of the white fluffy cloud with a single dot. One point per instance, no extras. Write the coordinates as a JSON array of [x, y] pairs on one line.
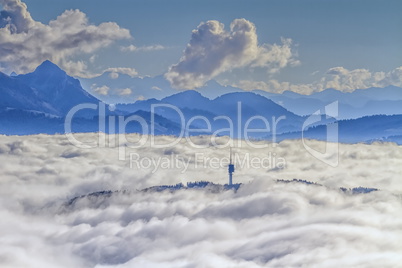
[[124, 91], [105, 90], [213, 50], [102, 90], [349, 80], [338, 78], [25, 43], [264, 224]]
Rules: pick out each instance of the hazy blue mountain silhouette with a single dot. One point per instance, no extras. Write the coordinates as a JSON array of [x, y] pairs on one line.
[[192, 103], [189, 99], [53, 86], [152, 85], [352, 105], [16, 94], [23, 122], [48, 89], [365, 129], [361, 102], [185, 99], [38, 102]]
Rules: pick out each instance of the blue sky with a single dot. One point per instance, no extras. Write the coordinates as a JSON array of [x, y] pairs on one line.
[[326, 34]]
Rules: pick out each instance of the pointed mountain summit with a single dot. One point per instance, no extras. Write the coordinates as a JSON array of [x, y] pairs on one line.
[[49, 68], [55, 87], [48, 89], [46, 73]]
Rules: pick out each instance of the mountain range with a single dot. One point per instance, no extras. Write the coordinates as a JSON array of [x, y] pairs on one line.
[[40, 102], [352, 105], [359, 103]]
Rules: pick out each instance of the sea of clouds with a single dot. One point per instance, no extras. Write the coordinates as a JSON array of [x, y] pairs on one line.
[[264, 224]]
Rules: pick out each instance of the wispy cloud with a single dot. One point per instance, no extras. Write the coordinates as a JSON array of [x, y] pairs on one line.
[[132, 48], [156, 88], [114, 72]]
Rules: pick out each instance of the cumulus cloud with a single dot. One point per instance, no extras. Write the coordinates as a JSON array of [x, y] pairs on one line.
[[213, 50], [264, 224], [338, 78], [346, 80], [124, 91], [132, 48], [105, 90], [25, 43], [276, 57], [102, 90], [15, 16]]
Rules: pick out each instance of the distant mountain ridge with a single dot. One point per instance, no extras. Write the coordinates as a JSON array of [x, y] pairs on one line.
[[352, 105], [359, 103], [366, 129], [38, 102], [236, 106]]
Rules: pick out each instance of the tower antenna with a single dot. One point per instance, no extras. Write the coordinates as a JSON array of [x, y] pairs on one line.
[[231, 169]]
